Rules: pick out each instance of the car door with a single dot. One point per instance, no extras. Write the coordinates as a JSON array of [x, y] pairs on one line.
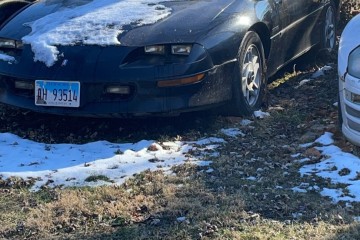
[[279, 21], [302, 25]]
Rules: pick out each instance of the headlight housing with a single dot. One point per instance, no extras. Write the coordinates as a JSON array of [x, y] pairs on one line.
[[155, 49], [177, 49], [181, 49], [354, 63], [10, 44]]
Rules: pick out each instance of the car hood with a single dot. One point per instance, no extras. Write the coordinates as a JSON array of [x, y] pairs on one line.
[[348, 42], [47, 24], [181, 20]]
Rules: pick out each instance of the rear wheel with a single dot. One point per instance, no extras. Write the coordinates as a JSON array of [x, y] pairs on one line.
[[328, 39], [8, 8], [250, 76]]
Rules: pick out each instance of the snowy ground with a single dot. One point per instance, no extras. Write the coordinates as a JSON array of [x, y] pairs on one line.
[[337, 166], [72, 165]]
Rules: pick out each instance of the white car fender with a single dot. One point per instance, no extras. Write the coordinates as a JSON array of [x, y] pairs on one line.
[[348, 42]]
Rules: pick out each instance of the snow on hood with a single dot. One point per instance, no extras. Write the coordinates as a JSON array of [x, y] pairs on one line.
[[6, 58], [98, 22], [348, 42]]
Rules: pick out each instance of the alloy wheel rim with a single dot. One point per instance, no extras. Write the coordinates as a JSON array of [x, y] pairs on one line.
[[329, 29], [251, 75]]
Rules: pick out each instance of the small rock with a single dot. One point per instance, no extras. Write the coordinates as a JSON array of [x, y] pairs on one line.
[[312, 153], [154, 147]]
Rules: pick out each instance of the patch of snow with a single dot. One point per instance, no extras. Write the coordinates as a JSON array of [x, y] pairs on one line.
[[349, 205], [297, 215], [295, 155], [251, 178], [321, 72], [232, 132], [260, 114], [335, 194], [303, 160], [245, 122], [286, 174], [210, 170], [98, 22], [306, 145], [213, 154], [313, 188], [71, 164], [357, 219], [331, 168], [206, 141], [325, 139], [304, 185], [300, 190], [303, 82], [6, 58], [203, 163], [181, 219], [336, 104]]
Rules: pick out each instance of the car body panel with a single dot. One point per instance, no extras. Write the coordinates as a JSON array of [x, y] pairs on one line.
[[348, 43]]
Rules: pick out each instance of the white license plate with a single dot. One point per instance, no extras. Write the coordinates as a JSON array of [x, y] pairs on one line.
[[57, 93]]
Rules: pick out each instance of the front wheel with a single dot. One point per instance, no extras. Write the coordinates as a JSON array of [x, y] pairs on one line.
[[250, 76]]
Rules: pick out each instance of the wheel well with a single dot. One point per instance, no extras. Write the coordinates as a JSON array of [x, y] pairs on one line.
[[264, 34]]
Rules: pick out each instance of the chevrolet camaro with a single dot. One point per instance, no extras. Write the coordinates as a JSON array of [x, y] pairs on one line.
[[120, 58]]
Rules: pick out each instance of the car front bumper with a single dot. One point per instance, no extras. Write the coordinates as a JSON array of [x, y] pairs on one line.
[[350, 110], [146, 97]]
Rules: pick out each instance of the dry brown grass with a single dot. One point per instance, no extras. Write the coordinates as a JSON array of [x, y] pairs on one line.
[[11, 205], [222, 205]]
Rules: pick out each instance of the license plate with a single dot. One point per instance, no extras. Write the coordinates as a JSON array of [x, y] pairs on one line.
[[57, 93]]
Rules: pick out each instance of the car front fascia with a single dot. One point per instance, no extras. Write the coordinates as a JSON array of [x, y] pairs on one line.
[[217, 63], [146, 99], [350, 111]]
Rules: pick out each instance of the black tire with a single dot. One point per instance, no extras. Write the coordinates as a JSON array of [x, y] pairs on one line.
[[8, 8], [328, 30], [246, 98]]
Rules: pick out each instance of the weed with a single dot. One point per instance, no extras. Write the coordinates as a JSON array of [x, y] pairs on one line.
[[95, 178]]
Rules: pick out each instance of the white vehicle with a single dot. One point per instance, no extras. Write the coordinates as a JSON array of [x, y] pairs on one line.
[[349, 81]]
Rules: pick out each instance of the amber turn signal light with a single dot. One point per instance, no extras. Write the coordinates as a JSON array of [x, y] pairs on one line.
[[181, 81]]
